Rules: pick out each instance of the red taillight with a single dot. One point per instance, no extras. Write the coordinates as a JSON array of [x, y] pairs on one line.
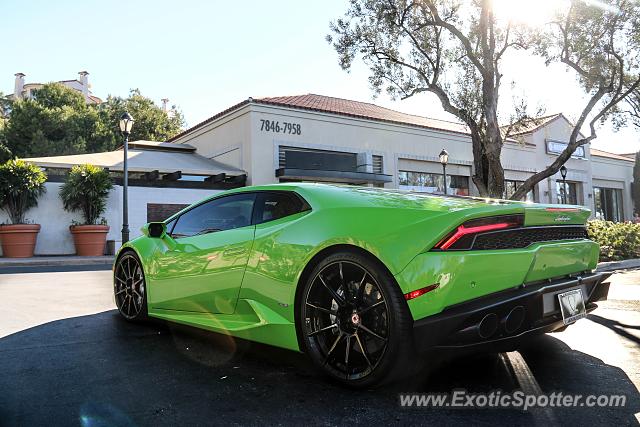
[[463, 231], [419, 292], [464, 234]]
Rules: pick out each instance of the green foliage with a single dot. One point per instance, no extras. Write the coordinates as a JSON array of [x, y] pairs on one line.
[[56, 95], [636, 184], [151, 122], [86, 190], [57, 121], [617, 240], [21, 184]]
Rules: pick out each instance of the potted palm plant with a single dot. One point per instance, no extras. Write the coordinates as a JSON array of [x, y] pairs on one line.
[[21, 184], [86, 190]]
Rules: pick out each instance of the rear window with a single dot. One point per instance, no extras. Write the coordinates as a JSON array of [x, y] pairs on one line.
[[279, 205]]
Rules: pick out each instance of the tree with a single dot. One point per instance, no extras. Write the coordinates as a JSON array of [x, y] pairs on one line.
[[600, 44], [21, 184], [55, 121], [635, 188], [5, 107], [86, 189], [151, 122], [454, 49]]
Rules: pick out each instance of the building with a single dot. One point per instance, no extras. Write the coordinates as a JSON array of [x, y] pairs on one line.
[[23, 90], [163, 179], [319, 138]]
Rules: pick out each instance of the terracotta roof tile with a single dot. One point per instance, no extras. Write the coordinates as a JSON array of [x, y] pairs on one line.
[[600, 153], [343, 107], [535, 124], [362, 110]]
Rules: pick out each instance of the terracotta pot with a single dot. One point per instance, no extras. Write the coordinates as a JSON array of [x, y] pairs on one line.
[[89, 239], [18, 240]]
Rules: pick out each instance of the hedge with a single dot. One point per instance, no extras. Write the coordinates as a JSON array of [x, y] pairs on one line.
[[617, 240]]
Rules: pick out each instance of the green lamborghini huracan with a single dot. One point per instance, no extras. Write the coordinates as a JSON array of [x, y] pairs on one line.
[[366, 281]]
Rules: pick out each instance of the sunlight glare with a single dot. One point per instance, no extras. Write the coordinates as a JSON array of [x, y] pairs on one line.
[[528, 12]]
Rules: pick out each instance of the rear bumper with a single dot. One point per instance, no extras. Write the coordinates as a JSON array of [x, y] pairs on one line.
[[503, 320]]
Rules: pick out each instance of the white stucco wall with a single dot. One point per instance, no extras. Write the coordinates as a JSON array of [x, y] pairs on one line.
[[225, 140], [54, 237], [613, 173], [399, 145]]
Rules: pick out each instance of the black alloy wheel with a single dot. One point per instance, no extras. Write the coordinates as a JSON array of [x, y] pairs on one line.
[[354, 320], [129, 287]]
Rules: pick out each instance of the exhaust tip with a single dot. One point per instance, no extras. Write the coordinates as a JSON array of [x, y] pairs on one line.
[[488, 325], [514, 319]]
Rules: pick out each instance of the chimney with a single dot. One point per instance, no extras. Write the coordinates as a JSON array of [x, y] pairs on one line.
[[84, 81], [18, 85], [165, 103]]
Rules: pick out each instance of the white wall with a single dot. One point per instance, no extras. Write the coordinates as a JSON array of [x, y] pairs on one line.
[[225, 140], [54, 237], [398, 144], [237, 137], [613, 173]]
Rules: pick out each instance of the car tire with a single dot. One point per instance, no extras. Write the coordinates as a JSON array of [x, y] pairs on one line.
[[351, 307], [129, 287]]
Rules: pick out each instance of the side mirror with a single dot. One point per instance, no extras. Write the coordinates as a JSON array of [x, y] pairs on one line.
[[157, 229]]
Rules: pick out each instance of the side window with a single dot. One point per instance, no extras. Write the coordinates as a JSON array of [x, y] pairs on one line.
[[220, 214], [277, 205]]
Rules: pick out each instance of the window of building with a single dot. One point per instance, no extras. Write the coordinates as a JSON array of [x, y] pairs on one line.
[[312, 159], [220, 214], [161, 211], [433, 183], [567, 194], [608, 204], [276, 205], [510, 187], [378, 166]]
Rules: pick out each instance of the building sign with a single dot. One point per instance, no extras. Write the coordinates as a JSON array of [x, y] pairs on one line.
[[557, 147], [280, 127]]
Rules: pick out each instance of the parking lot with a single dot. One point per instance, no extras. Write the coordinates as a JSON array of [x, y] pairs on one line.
[[68, 359]]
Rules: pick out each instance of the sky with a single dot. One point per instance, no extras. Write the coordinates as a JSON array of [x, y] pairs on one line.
[[206, 56]]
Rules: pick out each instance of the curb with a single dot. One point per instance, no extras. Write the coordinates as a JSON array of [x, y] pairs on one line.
[[108, 260], [55, 261], [619, 265]]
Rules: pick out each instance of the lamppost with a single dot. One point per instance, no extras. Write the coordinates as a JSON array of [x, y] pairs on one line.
[[126, 123], [563, 173], [444, 159]]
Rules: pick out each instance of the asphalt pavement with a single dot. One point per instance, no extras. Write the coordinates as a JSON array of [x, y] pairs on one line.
[[67, 358]]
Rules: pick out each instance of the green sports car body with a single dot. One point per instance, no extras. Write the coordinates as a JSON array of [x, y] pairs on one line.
[[363, 278]]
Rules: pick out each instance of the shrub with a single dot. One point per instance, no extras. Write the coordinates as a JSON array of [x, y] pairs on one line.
[[86, 190], [617, 240], [21, 184]]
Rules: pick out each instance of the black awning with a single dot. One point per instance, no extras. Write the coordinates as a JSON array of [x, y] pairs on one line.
[[333, 176]]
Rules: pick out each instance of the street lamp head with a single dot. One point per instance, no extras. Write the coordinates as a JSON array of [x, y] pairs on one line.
[[444, 157], [126, 123], [563, 171]]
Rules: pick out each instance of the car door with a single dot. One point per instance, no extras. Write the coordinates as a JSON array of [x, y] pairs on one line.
[[276, 247], [202, 269]]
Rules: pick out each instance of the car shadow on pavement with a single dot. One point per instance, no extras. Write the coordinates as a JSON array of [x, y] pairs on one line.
[[617, 327], [559, 368], [102, 370]]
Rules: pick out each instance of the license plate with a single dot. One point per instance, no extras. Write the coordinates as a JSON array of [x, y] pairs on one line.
[[572, 306]]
